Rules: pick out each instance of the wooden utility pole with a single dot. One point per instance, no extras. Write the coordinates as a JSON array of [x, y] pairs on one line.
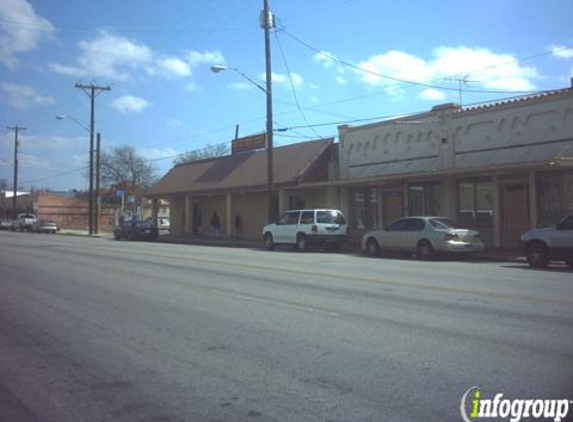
[[16, 129], [92, 91]]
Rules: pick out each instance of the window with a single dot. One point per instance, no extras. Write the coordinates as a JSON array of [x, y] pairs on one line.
[[424, 199], [414, 224], [330, 217], [397, 226], [307, 217], [567, 224], [442, 223], [290, 218], [365, 210], [554, 197], [475, 203]]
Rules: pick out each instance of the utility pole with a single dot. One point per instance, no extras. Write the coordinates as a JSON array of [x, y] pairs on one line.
[[92, 91], [16, 129], [97, 195], [267, 22]]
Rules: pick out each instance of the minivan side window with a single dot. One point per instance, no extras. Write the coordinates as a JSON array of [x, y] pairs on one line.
[[307, 217], [290, 218]]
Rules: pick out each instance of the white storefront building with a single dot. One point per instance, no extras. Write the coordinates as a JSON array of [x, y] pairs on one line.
[[502, 168]]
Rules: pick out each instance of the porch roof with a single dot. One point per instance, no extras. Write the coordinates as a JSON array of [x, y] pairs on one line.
[[241, 171]]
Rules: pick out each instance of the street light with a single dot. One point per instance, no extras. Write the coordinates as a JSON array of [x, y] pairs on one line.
[[93, 225]]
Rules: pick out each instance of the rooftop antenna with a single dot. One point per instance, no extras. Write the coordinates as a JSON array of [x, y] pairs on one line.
[[463, 80]]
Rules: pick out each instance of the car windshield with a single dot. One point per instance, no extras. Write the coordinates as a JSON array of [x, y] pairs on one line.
[[330, 217], [443, 223]]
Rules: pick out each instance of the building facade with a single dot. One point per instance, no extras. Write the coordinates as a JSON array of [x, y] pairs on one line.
[[501, 168]]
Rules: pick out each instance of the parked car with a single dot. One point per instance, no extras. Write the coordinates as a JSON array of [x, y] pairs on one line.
[[24, 222], [304, 228], [136, 230], [5, 224], [541, 246], [44, 226], [423, 236]]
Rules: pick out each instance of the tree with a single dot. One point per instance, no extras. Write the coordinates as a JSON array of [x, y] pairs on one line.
[[124, 169], [3, 184], [216, 150]]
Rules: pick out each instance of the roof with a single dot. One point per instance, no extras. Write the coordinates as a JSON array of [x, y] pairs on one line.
[[242, 171]]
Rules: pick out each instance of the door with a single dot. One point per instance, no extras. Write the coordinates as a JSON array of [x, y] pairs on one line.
[[391, 207], [515, 215], [286, 229], [392, 238]]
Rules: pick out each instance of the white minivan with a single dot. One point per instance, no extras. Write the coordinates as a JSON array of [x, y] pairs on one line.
[[304, 228]]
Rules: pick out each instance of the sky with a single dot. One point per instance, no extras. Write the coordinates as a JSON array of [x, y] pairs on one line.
[[333, 62]]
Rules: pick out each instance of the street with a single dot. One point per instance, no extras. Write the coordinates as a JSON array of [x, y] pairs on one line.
[[98, 330]]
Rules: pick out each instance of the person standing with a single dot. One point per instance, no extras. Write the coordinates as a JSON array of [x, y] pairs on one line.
[[215, 224]]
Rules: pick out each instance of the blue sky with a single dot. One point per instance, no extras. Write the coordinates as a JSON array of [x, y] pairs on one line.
[[347, 61]]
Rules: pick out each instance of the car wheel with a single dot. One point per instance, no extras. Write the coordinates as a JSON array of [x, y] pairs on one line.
[[268, 242], [425, 249], [372, 247], [116, 236], [537, 255], [301, 242]]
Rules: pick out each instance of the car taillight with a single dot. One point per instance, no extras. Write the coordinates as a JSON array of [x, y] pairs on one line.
[[315, 228], [451, 236]]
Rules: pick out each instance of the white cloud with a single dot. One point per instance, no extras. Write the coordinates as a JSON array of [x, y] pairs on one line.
[[240, 86], [173, 66], [119, 58], [283, 79], [195, 58], [340, 80], [174, 123], [22, 96], [191, 86], [21, 30], [154, 153], [432, 94], [561, 51], [129, 104], [33, 161], [325, 58], [489, 70]]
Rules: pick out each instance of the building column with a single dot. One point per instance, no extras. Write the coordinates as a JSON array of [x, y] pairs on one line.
[[448, 194], [345, 201], [187, 212], [283, 201], [496, 213], [230, 216], [532, 200], [154, 211]]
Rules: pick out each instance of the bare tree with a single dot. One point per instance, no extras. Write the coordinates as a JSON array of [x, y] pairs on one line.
[[124, 169], [3, 184], [216, 150]]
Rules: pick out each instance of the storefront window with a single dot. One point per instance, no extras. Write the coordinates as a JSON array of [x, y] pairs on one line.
[[475, 204], [554, 197], [365, 209], [424, 199]]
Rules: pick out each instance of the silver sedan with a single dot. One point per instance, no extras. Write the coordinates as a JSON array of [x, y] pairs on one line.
[[424, 236]]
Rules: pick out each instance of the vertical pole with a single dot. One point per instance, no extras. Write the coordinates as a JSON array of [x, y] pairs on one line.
[[14, 198], [91, 189], [97, 176], [267, 26]]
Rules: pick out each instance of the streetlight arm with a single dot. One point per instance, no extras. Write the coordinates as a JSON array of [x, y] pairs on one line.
[[73, 119], [220, 68]]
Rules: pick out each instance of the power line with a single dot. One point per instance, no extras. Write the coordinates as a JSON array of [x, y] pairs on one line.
[[292, 85], [393, 78]]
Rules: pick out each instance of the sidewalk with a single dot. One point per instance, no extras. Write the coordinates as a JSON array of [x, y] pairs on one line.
[[502, 255]]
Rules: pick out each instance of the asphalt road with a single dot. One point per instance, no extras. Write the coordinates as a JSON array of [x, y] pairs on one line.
[[97, 330]]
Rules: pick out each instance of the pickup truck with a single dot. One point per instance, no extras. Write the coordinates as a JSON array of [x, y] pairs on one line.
[[24, 222]]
